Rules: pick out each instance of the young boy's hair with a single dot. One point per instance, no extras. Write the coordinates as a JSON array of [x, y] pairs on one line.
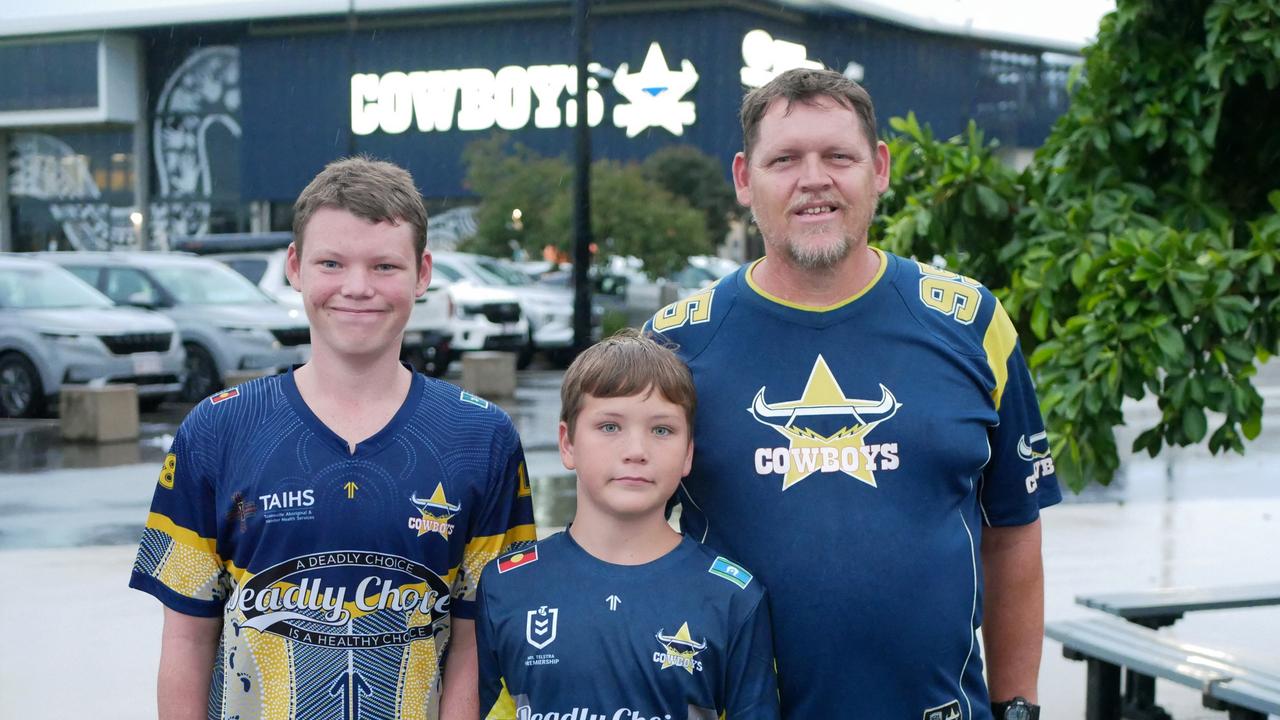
[[628, 363], [371, 190]]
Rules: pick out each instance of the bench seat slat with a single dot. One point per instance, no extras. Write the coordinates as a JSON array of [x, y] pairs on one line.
[[1176, 601]]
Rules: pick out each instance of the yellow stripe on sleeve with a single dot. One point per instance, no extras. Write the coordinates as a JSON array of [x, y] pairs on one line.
[[504, 708], [999, 343]]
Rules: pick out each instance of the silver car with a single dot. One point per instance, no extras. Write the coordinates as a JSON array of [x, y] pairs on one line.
[[56, 331], [227, 324]]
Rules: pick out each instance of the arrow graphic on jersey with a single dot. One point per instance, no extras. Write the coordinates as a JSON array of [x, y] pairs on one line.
[[349, 686], [614, 601]]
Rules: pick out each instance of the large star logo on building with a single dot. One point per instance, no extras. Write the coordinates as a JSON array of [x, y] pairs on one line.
[[654, 95], [825, 429]]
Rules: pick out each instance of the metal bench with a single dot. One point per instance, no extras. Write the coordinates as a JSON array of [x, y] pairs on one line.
[[1159, 608], [1163, 607], [1245, 689]]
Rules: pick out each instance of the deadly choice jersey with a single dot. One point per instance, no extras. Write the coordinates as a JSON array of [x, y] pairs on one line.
[[565, 635], [850, 456], [335, 573]]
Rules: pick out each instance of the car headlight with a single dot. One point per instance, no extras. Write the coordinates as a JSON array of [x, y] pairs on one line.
[[244, 333], [66, 339]]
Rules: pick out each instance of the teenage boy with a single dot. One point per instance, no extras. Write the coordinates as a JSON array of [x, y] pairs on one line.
[[620, 617], [316, 537]]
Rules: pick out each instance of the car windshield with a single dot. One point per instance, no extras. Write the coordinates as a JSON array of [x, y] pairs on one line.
[[500, 274], [211, 284], [45, 287]]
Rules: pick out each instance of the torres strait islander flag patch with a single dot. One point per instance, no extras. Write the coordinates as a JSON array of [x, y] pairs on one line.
[[224, 395], [516, 559]]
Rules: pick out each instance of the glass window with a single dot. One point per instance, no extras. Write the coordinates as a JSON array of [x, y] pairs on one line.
[[46, 288], [212, 284], [127, 286], [251, 268]]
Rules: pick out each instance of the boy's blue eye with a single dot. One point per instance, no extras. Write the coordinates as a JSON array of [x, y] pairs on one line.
[[662, 431], [609, 427]]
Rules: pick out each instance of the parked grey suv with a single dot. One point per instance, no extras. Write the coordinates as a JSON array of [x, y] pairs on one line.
[[227, 323], [56, 331]]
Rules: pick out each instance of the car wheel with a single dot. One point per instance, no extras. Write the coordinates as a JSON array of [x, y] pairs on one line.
[[524, 358], [202, 374], [21, 392]]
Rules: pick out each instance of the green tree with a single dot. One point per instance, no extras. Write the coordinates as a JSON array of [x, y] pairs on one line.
[[1139, 248], [689, 173], [630, 214]]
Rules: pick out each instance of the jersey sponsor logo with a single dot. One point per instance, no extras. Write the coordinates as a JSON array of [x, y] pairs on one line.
[[950, 711], [224, 395], [1035, 450], [167, 470], [476, 400], [949, 293], [288, 500], [315, 599], [516, 559], [731, 572], [680, 650], [540, 626], [826, 431], [434, 513]]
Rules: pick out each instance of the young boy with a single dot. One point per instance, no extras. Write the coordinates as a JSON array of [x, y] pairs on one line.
[[619, 617], [316, 537]]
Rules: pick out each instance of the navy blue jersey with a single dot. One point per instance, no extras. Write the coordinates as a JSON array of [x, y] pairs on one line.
[[564, 635], [851, 455], [335, 573]]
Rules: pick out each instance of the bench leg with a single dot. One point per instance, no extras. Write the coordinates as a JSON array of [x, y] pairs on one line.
[[1140, 698], [1243, 714], [1102, 701]]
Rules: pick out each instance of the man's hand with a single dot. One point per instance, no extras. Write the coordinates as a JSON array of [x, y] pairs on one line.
[[188, 645], [1013, 610], [460, 694]]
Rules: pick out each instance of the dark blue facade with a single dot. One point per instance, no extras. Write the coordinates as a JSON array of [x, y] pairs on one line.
[[297, 110]]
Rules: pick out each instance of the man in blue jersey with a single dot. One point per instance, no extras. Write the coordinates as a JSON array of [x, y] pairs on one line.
[[869, 440], [619, 617], [316, 537]]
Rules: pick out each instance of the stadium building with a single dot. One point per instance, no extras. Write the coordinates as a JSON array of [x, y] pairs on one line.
[[137, 121]]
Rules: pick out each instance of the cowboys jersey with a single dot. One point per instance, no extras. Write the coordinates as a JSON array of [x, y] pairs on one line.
[[564, 635], [335, 573], [851, 456]]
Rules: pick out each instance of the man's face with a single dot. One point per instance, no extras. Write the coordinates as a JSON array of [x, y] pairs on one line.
[[629, 454], [812, 181], [358, 281]]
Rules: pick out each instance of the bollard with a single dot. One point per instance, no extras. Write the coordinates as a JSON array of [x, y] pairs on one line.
[[491, 375], [101, 414]]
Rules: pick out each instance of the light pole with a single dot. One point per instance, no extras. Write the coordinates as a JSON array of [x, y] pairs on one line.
[[582, 188]]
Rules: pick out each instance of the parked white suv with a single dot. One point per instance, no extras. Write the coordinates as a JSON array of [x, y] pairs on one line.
[[427, 335], [484, 317], [227, 323], [58, 331]]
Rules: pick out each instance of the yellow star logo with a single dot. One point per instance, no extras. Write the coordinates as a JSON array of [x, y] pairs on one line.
[[809, 450]]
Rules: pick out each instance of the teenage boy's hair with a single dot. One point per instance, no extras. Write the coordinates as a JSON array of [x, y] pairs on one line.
[[371, 190], [628, 363], [805, 85]]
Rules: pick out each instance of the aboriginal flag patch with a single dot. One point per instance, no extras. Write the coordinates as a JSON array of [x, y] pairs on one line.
[[516, 559], [224, 395]]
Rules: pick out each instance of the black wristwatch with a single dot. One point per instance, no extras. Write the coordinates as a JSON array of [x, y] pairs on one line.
[[1015, 709]]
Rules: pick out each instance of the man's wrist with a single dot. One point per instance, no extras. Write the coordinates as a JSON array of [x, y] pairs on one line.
[[1015, 709]]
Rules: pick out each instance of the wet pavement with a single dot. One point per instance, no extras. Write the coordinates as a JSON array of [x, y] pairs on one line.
[[70, 515]]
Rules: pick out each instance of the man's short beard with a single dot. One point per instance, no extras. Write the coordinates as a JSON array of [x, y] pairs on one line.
[[810, 257]]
